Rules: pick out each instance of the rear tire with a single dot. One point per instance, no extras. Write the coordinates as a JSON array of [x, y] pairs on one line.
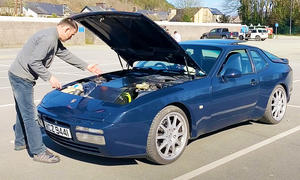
[[276, 107], [241, 37], [168, 135]]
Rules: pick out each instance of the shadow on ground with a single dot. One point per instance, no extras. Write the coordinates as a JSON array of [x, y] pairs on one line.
[[246, 123]]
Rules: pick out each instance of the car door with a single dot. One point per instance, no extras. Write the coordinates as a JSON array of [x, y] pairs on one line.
[[212, 34], [234, 91]]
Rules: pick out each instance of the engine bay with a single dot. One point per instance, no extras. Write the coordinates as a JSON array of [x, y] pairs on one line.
[[122, 87]]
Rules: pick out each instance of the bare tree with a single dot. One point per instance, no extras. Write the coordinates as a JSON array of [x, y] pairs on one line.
[[231, 6], [182, 4]]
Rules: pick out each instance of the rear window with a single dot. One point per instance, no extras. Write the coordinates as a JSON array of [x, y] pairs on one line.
[[271, 56]]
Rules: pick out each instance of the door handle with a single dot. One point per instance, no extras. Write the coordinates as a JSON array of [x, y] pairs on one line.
[[253, 82]]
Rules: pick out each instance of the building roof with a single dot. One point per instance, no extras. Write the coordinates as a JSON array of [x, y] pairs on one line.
[[97, 8], [93, 8], [45, 8], [215, 11]]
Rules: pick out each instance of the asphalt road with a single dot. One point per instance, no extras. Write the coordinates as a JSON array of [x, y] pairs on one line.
[[246, 151]]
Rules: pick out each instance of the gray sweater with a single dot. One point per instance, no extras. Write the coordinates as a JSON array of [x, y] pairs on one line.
[[37, 55]]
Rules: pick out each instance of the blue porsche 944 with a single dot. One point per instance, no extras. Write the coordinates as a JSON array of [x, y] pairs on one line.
[[167, 93]]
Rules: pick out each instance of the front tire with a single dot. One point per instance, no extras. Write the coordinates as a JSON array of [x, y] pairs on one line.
[[168, 135], [276, 107]]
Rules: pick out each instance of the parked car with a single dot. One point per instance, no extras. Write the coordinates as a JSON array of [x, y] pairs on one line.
[[169, 94], [256, 34], [220, 33]]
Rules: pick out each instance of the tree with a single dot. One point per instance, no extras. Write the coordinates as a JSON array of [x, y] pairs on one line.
[[182, 4], [231, 6], [224, 19], [269, 12]]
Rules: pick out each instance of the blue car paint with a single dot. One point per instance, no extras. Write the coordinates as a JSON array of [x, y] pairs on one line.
[[126, 127]]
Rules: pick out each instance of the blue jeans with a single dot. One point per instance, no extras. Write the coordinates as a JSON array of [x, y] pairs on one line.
[[26, 126]]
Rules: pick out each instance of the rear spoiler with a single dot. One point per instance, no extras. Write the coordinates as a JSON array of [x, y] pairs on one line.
[[281, 60]]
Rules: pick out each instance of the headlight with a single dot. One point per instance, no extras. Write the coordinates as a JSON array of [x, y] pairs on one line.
[[85, 136], [89, 138]]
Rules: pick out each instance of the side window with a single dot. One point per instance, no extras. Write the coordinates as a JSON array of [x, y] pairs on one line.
[[238, 60], [259, 62]]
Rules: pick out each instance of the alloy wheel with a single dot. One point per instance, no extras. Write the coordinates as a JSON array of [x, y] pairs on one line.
[[171, 136]]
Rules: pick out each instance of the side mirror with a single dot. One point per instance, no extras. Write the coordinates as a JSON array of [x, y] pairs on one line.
[[232, 73]]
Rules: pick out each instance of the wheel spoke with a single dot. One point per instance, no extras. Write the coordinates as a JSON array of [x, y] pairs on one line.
[[163, 127], [178, 142], [276, 113], [274, 109], [161, 137], [180, 134], [178, 126], [169, 122], [165, 142], [175, 121], [167, 149], [173, 149]]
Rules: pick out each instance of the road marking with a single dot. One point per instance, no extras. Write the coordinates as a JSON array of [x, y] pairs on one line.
[[4, 65], [295, 106], [236, 155], [296, 81], [8, 105]]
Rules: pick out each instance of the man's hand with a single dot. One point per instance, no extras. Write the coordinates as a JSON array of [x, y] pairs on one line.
[[94, 69], [54, 83]]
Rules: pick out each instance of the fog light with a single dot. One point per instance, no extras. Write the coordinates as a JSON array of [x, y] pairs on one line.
[[91, 130], [89, 138]]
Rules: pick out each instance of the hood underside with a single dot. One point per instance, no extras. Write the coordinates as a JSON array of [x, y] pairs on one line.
[[134, 37]]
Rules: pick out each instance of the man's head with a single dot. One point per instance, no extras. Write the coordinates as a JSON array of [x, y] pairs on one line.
[[66, 28]]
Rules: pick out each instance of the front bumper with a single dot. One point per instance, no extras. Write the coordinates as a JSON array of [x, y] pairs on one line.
[[121, 140]]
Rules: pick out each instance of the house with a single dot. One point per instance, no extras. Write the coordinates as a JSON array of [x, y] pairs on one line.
[[216, 13], [235, 20], [198, 15], [98, 7], [37, 9]]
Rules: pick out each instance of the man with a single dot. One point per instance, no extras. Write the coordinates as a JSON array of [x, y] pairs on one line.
[[177, 36], [32, 62]]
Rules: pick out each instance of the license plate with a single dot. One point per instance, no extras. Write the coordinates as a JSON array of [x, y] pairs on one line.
[[61, 131]]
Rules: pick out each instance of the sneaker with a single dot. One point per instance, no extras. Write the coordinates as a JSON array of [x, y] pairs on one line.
[[20, 148], [46, 157]]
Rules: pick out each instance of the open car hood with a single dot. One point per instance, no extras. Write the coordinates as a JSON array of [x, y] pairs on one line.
[[134, 37]]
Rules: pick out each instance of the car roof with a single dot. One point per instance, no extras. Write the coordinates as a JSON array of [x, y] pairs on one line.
[[217, 43]]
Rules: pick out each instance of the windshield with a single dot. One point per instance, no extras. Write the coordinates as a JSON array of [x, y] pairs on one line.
[[204, 56]]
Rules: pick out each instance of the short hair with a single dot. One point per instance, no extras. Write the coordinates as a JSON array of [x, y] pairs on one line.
[[69, 22]]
